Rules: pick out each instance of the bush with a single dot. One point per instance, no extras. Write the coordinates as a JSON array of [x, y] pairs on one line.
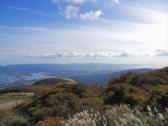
[[51, 121], [163, 101], [79, 90], [55, 104], [12, 119]]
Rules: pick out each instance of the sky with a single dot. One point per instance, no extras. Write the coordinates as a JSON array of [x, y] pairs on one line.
[[84, 31]]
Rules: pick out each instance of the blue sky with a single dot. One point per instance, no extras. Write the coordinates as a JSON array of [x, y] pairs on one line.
[[84, 31]]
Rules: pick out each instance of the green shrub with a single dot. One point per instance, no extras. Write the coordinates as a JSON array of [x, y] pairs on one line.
[[12, 119]]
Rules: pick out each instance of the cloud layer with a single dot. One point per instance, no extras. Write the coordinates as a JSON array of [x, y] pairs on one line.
[[100, 54], [161, 53]]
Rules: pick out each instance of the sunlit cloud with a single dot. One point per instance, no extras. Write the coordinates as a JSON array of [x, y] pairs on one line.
[[71, 12], [92, 15]]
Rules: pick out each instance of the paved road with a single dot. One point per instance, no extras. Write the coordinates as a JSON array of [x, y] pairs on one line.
[[10, 104]]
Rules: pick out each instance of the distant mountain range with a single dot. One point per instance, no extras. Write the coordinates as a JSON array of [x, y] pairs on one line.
[[14, 75]]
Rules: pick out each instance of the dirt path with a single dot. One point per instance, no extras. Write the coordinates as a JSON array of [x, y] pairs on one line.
[[10, 104]]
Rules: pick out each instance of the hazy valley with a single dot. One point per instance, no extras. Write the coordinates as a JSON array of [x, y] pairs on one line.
[[15, 75]]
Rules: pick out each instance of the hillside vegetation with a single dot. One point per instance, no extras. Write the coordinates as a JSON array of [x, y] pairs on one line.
[[128, 100], [150, 78]]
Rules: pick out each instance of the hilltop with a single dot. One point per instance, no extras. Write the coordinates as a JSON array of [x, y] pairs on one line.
[[53, 81]]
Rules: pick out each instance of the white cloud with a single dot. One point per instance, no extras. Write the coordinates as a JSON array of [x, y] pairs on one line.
[[74, 1], [72, 9], [71, 12], [92, 15], [116, 1], [99, 54], [77, 1], [161, 52], [25, 28], [25, 9], [154, 27], [74, 12]]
